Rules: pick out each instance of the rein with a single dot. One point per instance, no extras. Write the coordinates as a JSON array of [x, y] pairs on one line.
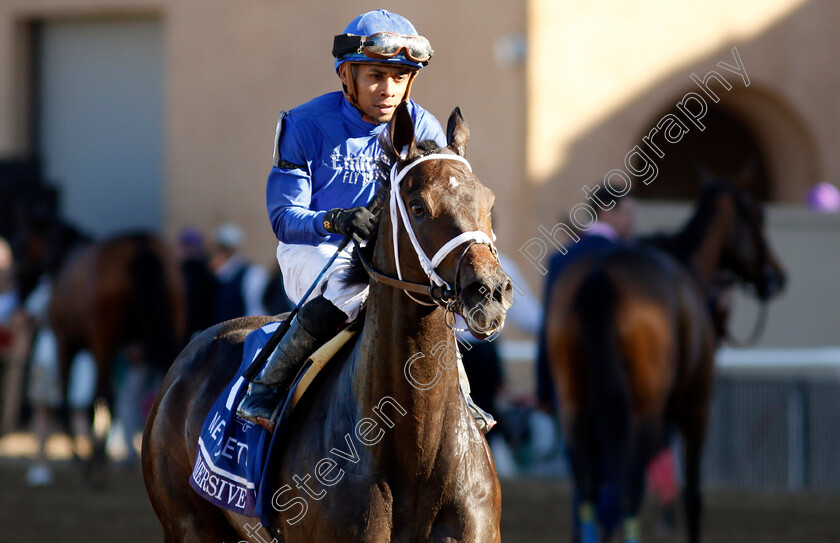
[[758, 330], [722, 324], [440, 292]]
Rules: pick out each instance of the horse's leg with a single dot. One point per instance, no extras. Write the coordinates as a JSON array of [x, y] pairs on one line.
[[643, 442], [693, 431], [103, 345], [581, 451], [184, 515], [192, 519], [66, 351], [99, 430]]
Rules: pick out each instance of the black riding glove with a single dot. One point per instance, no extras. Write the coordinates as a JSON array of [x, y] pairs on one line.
[[347, 222]]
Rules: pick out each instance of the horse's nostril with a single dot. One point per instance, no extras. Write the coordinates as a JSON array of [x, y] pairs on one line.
[[498, 296], [503, 293], [774, 283], [508, 291]]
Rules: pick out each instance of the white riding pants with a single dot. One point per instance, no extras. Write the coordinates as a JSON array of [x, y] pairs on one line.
[[301, 264]]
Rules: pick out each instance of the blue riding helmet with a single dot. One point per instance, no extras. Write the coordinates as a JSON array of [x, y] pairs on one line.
[[381, 37]]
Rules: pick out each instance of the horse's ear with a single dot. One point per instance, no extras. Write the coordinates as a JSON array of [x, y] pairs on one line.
[[457, 132], [402, 133]]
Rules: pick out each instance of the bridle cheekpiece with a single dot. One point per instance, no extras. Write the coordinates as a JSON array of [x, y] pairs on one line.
[[441, 292]]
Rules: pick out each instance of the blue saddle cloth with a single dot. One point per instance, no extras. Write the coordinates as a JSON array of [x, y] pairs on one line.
[[232, 451]]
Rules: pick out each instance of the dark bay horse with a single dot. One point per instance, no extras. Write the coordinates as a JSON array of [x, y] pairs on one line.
[[429, 474], [631, 337], [122, 291]]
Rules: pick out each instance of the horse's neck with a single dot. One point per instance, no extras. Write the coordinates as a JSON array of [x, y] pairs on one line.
[[399, 333], [707, 236]]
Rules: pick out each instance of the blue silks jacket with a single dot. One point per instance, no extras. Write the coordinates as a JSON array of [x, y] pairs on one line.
[[327, 161]]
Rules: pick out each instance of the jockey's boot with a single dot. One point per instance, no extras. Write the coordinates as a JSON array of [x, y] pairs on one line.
[[483, 419], [314, 325]]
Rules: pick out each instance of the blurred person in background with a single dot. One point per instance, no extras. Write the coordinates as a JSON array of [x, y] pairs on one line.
[[45, 394], [9, 299], [275, 299], [199, 280], [484, 367], [14, 341], [240, 283], [323, 176]]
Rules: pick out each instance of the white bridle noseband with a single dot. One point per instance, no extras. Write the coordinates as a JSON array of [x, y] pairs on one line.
[[398, 206]]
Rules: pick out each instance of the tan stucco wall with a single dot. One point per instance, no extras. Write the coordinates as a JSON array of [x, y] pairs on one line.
[[588, 61], [232, 66], [599, 77]]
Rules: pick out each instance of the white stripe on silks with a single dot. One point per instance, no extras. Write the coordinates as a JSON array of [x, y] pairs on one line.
[[219, 471]]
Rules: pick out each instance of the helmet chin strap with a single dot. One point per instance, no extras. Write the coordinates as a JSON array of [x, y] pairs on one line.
[[348, 71], [408, 86]]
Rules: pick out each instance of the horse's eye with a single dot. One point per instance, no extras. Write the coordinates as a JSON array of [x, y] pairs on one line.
[[417, 208]]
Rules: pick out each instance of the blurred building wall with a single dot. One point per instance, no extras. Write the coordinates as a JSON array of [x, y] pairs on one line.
[[555, 93], [600, 75], [99, 127], [231, 67]]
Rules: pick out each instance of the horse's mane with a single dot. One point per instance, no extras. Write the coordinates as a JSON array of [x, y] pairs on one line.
[[682, 244], [356, 273]]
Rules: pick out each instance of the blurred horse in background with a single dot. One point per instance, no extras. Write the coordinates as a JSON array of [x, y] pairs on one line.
[[122, 292], [631, 337], [121, 295], [125, 291]]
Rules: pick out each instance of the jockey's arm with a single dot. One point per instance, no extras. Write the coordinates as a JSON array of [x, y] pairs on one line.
[[289, 189], [288, 196]]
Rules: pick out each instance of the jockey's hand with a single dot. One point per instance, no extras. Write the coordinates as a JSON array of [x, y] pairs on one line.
[[347, 222]]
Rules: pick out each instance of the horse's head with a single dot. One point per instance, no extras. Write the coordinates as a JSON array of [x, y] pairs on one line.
[[436, 226], [746, 251]]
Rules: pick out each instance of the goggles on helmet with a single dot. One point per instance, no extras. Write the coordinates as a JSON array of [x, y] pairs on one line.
[[384, 45]]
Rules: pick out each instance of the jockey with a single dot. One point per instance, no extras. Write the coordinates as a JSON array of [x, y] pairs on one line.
[[323, 175]]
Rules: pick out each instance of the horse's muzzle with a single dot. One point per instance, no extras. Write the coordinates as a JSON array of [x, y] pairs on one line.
[[484, 304], [772, 283]]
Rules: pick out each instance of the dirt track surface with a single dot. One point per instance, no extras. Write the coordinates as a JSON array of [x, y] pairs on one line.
[[533, 512]]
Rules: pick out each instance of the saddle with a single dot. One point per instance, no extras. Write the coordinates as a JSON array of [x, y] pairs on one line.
[[230, 464], [311, 368]]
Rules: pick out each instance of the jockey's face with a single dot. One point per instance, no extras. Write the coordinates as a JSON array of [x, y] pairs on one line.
[[379, 89]]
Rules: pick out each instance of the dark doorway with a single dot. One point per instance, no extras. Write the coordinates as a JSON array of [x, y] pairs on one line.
[[726, 147]]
